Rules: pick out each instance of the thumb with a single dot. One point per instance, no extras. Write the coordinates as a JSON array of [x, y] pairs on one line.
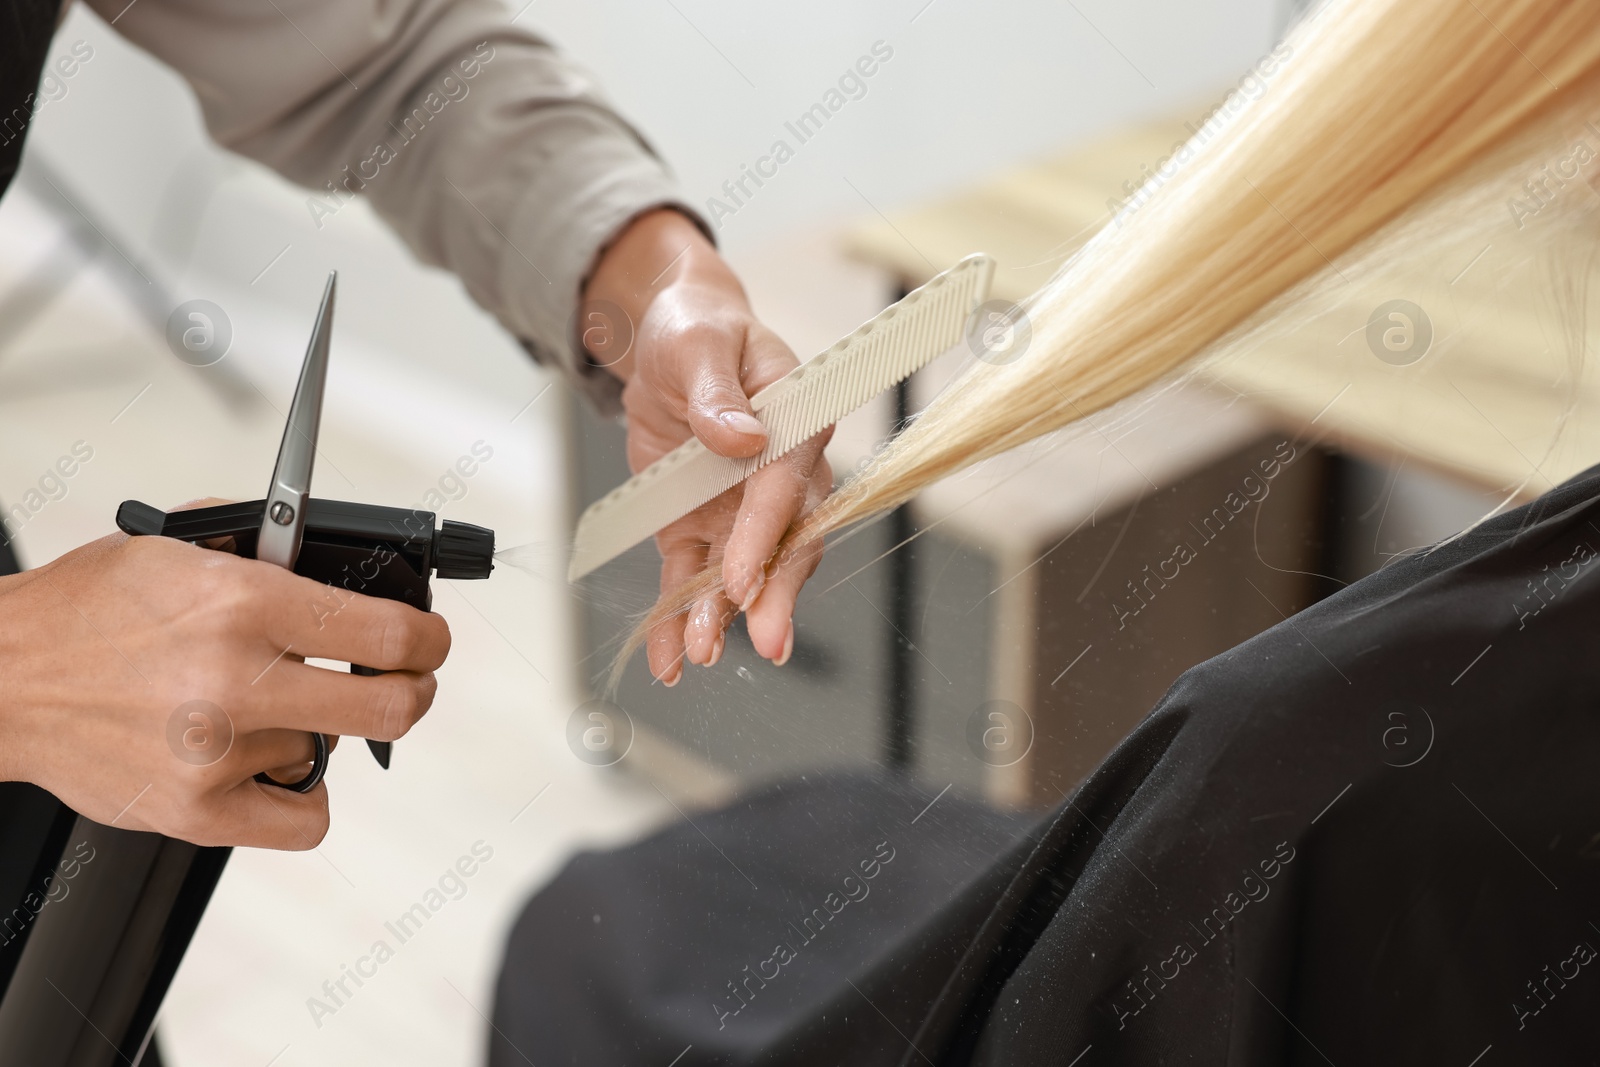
[[719, 412], [264, 816]]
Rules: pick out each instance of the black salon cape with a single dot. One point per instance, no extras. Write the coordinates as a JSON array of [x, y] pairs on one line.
[[1370, 835]]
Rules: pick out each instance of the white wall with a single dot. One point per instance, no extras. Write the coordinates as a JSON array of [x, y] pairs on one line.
[[972, 86]]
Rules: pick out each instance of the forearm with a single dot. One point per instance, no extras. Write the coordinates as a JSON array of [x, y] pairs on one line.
[[521, 204]]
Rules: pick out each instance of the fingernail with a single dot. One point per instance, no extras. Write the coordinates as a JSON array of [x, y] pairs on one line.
[[705, 622], [672, 678], [788, 647], [755, 590], [716, 651], [740, 422]]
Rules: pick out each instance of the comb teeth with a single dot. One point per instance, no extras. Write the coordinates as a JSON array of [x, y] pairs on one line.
[[886, 350]]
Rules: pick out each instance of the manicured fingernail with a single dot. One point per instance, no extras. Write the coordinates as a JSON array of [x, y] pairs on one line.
[[755, 590], [716, 651], [740, 422], [788, 647]]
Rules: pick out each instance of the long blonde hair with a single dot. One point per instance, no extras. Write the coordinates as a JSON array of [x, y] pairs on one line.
[[1383, 106]]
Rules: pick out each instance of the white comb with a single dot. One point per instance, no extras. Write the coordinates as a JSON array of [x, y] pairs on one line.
[[902, 338]]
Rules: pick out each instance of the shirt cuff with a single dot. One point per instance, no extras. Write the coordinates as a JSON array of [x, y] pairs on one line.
[[571, 222]]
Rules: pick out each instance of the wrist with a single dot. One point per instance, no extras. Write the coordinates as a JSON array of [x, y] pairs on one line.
[[658, 250], [16, 620]]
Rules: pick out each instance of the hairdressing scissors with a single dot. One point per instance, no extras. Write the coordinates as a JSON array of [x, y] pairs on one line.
[[283, 518]]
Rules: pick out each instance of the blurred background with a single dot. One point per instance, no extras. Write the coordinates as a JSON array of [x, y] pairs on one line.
[[1006, 126]]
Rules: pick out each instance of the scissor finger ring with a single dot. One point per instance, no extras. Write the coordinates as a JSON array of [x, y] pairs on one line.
[[319, 767]]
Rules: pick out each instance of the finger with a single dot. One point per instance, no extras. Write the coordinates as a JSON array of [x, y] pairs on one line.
[[773, 498], [298, 696], [771, 619], [267, 750], [681, 560], [703, 639], [266, 816], [716, 407], [322, 621], [252, 815], [284, 754]]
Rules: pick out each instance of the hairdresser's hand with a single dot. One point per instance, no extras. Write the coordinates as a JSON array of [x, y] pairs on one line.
[[698, 353], [103, 651]]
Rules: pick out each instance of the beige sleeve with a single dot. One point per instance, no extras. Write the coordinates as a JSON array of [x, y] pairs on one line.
[[490, 153]]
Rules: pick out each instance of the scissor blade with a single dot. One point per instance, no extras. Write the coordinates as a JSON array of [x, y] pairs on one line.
[[283, 524]]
